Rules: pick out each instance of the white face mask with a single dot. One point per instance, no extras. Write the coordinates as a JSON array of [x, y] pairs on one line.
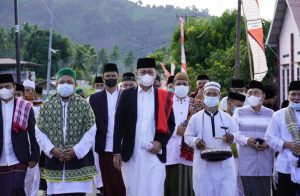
[[211, 101], [254, 101], [295, 106], [99, 90], [65, 90], [146, 80], [181, 91], [6, 93]]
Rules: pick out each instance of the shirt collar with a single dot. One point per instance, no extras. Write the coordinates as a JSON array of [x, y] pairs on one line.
[[116, 91], [210, 114], [141, 90], [254, 110], [8, 103], [186, 99]]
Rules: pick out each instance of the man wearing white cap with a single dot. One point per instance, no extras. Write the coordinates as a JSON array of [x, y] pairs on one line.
[[32, 178], [210, 132], [29, 89]]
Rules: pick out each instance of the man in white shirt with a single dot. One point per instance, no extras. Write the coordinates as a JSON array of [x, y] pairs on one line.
[[17, 124], [144, 125], [29, 87], [179, 167], [66, 133], [104, 105], [212, 130], [283, 136], [32, 179]]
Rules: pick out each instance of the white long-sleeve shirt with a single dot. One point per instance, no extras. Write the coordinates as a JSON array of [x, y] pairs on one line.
[[8, 156], [180, 108], [211, 178], [277, 133], [253, 124], [80, 149], [112, 99]]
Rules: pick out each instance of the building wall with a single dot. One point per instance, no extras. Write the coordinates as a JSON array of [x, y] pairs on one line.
[[288, 27]]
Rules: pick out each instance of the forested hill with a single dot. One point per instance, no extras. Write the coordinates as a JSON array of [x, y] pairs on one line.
[[102, 23]]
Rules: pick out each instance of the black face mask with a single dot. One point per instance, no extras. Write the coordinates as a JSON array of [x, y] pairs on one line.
[[111, 82]]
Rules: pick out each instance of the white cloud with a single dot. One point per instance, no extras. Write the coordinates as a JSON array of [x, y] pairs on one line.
[[216, 7]]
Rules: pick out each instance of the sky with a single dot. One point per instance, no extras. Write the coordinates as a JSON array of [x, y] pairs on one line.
[[216, 7]]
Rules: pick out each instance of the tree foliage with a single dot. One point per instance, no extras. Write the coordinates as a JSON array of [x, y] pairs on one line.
[[210, 49], [84, 59]]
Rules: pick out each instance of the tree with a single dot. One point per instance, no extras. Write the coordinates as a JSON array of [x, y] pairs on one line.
[[114, 56], [128, 61], [210, 48]]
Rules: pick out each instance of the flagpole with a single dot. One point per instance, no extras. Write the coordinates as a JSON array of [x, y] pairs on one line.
[[248, 47]]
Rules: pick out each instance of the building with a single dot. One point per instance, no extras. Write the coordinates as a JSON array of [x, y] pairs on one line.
[[284, 36], [8, 65]]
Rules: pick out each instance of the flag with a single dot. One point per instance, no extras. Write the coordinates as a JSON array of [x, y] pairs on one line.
[[183, 59], [256, 38], [167, 73]]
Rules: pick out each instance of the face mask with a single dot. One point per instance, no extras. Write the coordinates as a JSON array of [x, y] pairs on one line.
[[211, 101], [181, 91], [270, 106], [295, 106], [65, 90], [99, 90], [6, 93], [234, 109], [111, 82], [254, 101], [146, 80]]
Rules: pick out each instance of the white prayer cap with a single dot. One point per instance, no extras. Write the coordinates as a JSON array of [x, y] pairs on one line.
[[29, 84], [212, 85]]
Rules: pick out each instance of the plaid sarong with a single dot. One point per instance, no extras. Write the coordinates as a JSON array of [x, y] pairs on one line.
[[21, 115]]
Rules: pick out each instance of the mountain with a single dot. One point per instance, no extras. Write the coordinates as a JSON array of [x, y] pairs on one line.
[[103, 23]]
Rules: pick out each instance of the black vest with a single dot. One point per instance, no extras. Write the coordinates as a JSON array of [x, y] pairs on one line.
[[125, 125]]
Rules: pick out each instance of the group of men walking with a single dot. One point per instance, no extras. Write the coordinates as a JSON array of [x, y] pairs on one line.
[[147, 141]]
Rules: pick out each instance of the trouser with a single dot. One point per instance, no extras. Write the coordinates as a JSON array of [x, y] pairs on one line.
[[286, 186], [12, 180], [112, 178], [179, 180], [256, 185]]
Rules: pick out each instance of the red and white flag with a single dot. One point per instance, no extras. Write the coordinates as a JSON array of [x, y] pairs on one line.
[[183, 59], [256, 38]]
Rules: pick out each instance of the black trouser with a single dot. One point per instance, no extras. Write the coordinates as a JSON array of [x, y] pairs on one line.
[[285, 185]]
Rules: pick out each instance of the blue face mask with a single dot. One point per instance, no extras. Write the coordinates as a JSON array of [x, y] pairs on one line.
[[65, 90], [295, 106], [211, 101]]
